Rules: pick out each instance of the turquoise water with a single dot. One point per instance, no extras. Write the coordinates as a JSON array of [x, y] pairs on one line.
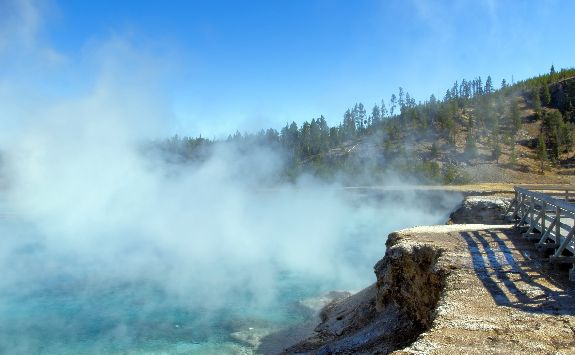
[[68, 317], [55, 304], [67, 314], [60, 302]]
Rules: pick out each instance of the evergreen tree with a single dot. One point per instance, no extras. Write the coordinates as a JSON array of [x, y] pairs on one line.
[[324, 130], [383, 110], [334, 137], [455, 91], [306, 140], [536, 103], [272, 137], [393, 104], [465, 90], [552, 70], [542, 153], [495, 148], [375, 116], [545, 95], [557, 146], [360, 117], [503, 84], [289, 137], [348, 125], [478, 90], [315, 135], [567, 137], [488, 86], [556, 131]]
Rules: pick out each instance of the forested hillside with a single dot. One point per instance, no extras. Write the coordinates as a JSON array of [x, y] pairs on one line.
[[478, 132]]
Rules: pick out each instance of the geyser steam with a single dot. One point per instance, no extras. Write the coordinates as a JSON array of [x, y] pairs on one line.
[[89, 225]]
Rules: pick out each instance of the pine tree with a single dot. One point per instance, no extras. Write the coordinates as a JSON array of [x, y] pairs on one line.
[[545, 96], [392, 105], [567, 136], [383, 110], [455, 90], [488, 86], [557, 147], [478, 87], [495, 148], [552, 70], [401, 100], [305, 142], [324, 134], [348, 125], [556, 131], [334, 136], [375, 116], [362, 116], [536, 103], [542, 153], [291, 138], [465, 90]]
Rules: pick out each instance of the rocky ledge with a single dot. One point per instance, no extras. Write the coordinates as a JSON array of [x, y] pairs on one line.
[[460, 288]]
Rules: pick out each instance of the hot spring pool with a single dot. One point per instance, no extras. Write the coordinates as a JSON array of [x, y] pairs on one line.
[[56, 300]]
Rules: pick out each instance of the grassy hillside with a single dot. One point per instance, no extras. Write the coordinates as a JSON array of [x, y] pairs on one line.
[[522, 132]]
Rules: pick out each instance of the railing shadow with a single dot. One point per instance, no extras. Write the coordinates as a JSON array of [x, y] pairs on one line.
[[517, 283]]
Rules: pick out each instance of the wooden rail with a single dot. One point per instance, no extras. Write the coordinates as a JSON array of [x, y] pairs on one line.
[[548, 220]]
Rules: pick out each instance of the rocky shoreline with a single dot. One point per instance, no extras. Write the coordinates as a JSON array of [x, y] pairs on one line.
[[464, 287]]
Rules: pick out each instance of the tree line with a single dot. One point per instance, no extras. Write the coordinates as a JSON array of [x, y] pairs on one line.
[[488, 115]]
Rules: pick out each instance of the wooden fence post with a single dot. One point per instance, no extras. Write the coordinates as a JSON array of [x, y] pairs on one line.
[[558, 225], [543, 220]]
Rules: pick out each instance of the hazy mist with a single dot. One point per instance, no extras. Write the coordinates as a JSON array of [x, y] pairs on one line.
[[84, 212]]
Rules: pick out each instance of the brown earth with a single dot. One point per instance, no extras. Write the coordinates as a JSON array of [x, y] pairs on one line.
[[483, 169], [498, 297]]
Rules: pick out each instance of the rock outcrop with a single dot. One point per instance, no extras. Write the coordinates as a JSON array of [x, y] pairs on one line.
[[481, 209], [408, 277], [461, 288]]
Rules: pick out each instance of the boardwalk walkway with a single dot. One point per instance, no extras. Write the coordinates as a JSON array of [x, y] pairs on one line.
[[546, 215]]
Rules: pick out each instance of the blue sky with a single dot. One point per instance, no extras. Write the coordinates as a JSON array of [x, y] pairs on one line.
[[255, 64]]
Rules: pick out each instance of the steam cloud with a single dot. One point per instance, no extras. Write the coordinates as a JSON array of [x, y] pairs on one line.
[[82, 208]]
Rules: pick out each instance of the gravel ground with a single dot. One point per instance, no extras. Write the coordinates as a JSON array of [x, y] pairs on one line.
[[499, 297]]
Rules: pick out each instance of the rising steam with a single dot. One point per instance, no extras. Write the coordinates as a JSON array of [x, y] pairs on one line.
[[84, 210]]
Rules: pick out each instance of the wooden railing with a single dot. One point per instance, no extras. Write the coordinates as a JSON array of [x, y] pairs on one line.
[[549, 218]]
